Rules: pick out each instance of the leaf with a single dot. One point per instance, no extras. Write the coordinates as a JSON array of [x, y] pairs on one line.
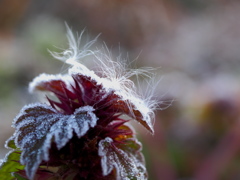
[[10, 164], [38, 125], [19, 177], [94, 91], [10, 144], [126, 160], [143, 115]]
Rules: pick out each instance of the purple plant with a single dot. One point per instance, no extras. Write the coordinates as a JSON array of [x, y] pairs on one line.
[[83, 131]]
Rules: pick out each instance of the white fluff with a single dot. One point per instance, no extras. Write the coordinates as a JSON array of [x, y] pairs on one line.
[[114, 76], [75, 52]]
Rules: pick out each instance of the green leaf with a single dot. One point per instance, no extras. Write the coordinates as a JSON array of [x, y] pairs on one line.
[[10, 143], [19, 177], [10, 164]]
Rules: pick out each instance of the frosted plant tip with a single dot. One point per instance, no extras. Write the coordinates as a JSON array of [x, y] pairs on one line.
[[81, 132]]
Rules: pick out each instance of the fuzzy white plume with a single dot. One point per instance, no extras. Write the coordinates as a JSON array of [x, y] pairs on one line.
[[113, 75], [75, 51]]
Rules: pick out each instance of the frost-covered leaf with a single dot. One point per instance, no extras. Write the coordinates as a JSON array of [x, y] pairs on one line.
[[144, 117], [113, 77], [117, 102], [121, 102], [90, 88], [10, 164], [38, 125], [49, 82], [77, 88], [125, 159]]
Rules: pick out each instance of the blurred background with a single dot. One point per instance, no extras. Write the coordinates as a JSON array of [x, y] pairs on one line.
[[194, 43]]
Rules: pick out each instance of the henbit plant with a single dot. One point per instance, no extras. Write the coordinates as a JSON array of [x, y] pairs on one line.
[[83, 131]]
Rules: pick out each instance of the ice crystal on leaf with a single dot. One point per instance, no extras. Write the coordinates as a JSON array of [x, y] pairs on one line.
[[81, 133], [39, 125], [128, 161]]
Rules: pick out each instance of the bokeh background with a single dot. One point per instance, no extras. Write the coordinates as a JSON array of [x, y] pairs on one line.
[[195, 45]]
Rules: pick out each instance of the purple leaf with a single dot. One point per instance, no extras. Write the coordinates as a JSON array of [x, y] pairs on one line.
[[128, 162], [38, 125]]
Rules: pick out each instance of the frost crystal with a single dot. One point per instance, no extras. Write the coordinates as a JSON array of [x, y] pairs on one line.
[[38, 125], [137, 107], [128, 163], [47, 78], [81, 133], [114, 78]]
